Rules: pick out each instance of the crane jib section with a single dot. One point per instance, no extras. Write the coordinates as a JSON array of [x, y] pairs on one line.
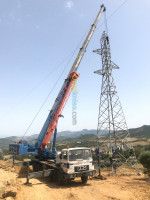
[[61, 101]]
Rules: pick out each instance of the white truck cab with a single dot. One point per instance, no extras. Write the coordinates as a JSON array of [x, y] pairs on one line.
[[76, 162]]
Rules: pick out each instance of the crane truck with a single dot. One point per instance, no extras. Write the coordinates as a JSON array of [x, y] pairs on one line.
[[70, 162]]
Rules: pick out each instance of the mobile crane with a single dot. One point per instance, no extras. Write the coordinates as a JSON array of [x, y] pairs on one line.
[[73, 162]]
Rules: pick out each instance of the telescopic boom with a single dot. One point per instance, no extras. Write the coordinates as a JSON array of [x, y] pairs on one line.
[[51, 122], [60, 101]]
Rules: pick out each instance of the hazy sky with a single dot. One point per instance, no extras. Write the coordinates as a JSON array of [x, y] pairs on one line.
[[38, 39]]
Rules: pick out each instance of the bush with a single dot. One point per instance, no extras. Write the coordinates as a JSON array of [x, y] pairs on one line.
[[145, 159], [147, 148], [138, 152], [1, 156]]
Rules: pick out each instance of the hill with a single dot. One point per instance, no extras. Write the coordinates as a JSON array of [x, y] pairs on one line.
[[82, 135], [140, 132]]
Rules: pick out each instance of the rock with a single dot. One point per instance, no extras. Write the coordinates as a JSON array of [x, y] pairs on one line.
[[9, 194], [8, 182]]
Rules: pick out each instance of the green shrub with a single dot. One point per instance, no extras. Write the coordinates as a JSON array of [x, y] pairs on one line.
[[1, 156], [138, 151], [145, 159]]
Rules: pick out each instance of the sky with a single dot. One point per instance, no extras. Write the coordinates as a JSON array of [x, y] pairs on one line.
[[40, 39]]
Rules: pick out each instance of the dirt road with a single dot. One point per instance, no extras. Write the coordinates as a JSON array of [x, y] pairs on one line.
[[125, 186]]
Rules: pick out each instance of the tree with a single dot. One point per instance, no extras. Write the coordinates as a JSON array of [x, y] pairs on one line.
[[145, 159]]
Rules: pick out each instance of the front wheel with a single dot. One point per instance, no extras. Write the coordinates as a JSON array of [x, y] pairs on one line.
[[37, 167], [59, 178], [84, 179]]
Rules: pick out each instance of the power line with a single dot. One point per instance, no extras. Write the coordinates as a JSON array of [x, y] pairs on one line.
[[45, 77], [51, 90], [45, 100], [114, 12]]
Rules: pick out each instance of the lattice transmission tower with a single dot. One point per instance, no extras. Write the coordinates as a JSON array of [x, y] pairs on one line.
[[111, 119]]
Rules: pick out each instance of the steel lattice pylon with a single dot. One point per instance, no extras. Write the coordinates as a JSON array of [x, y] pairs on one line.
[[111, 120]]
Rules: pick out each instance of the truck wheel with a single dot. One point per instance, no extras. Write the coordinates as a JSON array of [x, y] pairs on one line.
[[59, 178], [34, 167], [37, 167], [84, 179]]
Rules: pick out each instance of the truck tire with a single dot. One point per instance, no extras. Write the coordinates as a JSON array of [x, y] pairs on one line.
[[84, 179], [53, 176], [34, 167], [37, 167], [59, 178]]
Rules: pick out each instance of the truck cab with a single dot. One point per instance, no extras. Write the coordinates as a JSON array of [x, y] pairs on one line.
[[76, 162]]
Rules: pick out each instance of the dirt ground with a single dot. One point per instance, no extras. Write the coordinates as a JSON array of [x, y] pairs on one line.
[[126, 185]]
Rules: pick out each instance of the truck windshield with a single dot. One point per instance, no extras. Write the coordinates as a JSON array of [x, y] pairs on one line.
[[84, 154]]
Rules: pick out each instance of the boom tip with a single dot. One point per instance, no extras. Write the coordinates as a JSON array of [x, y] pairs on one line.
[[102, 6]]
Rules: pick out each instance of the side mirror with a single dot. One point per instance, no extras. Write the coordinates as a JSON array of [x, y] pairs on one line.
[[60, 156]]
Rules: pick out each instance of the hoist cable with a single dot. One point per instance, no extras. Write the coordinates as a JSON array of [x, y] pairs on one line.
[[105, 21]]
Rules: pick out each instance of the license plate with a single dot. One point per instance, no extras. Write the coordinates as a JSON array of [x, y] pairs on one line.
[[82, 168]]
